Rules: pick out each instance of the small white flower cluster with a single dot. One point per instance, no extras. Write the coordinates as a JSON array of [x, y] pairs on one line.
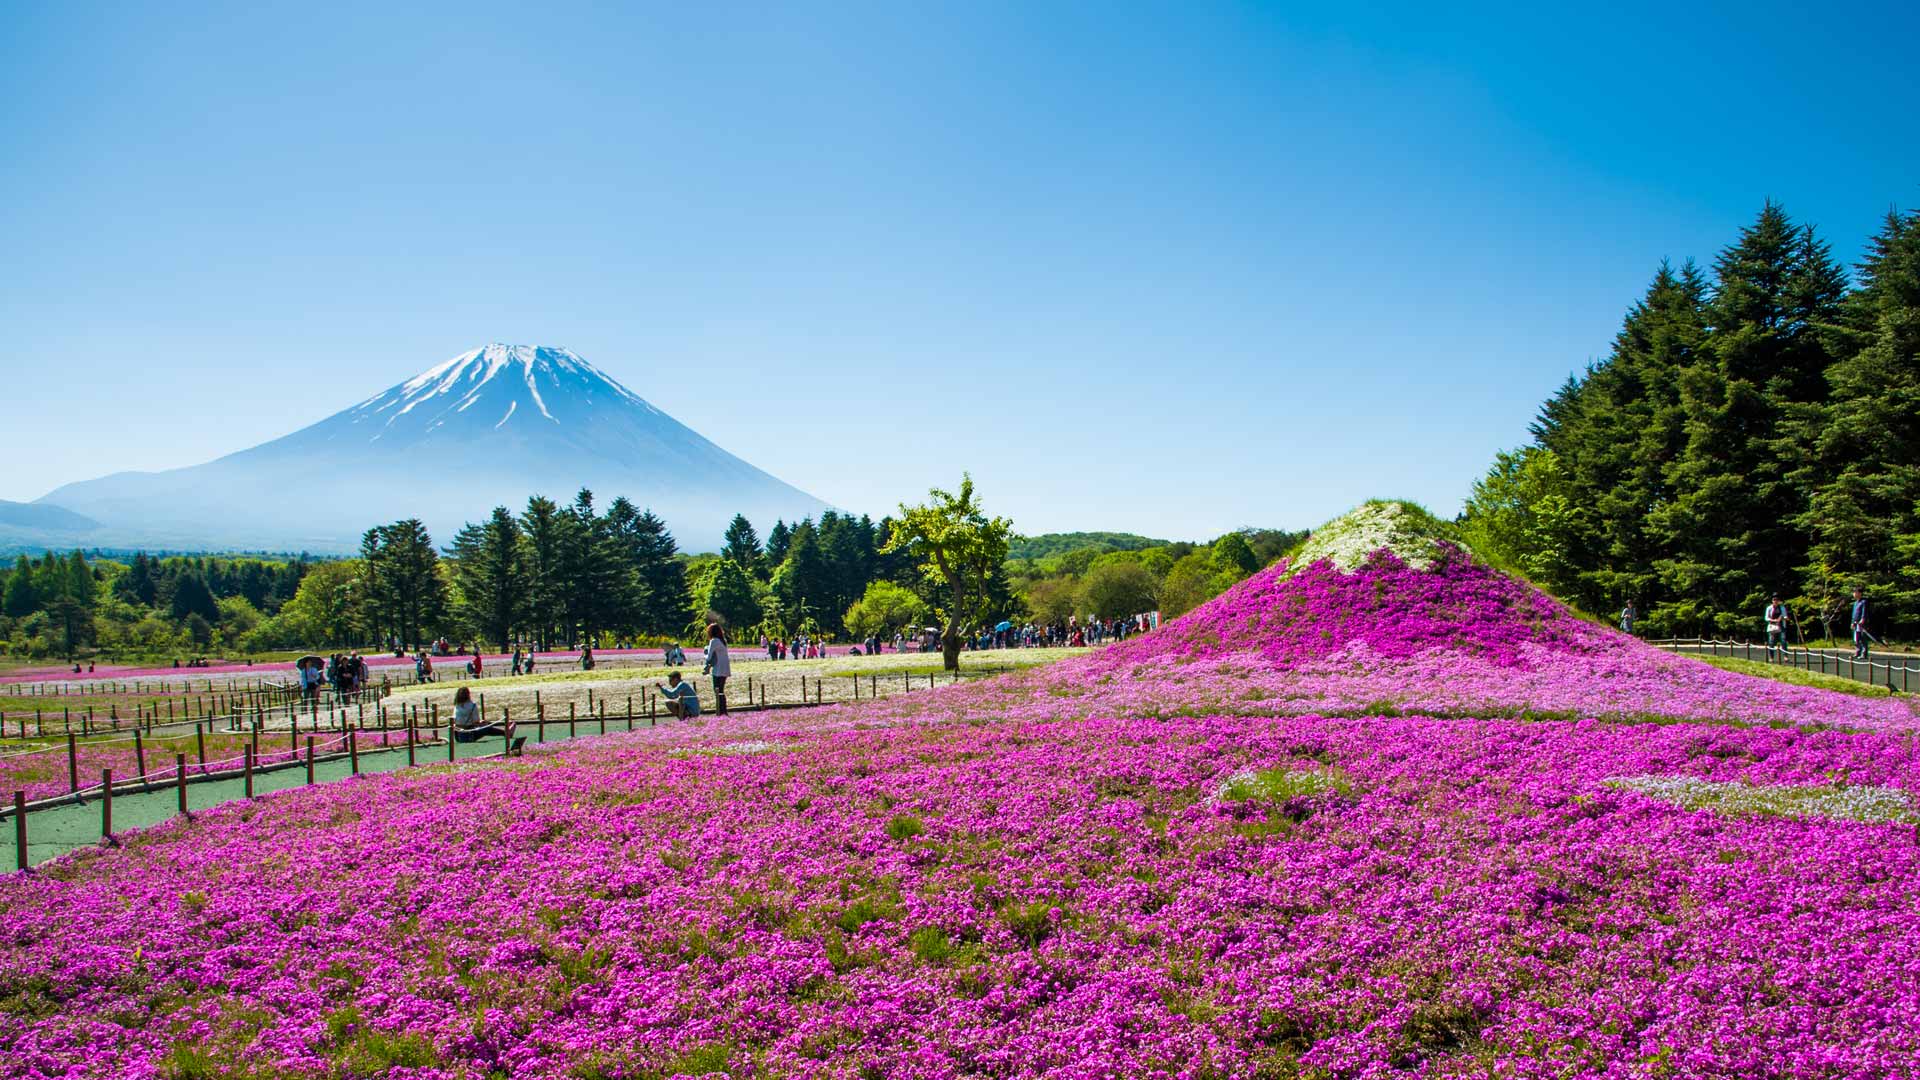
[[749, 746], [1349, 539], [1874, 805], [1276, 785]]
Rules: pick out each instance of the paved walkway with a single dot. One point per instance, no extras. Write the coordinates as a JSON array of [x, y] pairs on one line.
[[1898, 670]]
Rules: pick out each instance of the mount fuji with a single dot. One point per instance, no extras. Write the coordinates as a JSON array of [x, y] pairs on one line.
[[487, 428]]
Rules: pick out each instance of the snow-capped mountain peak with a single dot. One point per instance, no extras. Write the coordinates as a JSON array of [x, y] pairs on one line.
[[493, 383], [513, 420]]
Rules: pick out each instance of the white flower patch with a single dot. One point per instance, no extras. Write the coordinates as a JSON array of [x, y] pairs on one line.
[[1348, 540], [1278, 785], [1871, 804], [749, 746]]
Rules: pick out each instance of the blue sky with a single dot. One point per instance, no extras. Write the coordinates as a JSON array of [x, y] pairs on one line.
[[1168, 268]]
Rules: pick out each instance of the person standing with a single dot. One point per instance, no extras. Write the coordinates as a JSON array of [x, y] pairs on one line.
[[1775, 617], [1860, 634], [1627, 615], [718, 665]]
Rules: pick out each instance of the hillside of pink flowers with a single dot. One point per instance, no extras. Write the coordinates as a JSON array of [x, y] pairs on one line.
[[1329, 825]]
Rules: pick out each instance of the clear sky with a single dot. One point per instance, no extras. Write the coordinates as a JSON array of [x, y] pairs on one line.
[[1172, 269]]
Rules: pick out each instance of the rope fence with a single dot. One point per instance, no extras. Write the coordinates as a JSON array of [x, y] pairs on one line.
[[416, 728], [1900, 677]]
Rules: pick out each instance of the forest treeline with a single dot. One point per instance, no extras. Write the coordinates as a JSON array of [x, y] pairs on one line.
[[563, 574], [1754, 430]]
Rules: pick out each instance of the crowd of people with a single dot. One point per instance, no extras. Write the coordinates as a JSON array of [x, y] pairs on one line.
[[344, 673]]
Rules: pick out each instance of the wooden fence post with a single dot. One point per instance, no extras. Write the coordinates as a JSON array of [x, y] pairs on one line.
[[73, 765], [20, 830], [572, 719], [180, 779], [106, 804], [353, 749], [246, 759], [200, 740], [450, 754], [410, 742]]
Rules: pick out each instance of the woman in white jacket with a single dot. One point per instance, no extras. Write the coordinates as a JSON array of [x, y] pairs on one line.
[[717, 665]]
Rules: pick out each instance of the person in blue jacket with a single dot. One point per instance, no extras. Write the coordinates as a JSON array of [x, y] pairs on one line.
[[1861, 636]]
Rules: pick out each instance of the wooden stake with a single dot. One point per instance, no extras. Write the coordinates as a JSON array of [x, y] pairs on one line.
[[106, 804], [180, 779], [246, 756], [73, 765], [20, 830]]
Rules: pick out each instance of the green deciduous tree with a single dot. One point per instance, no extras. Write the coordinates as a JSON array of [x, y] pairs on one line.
[[960, 546], [883, 609], [1118, 589]]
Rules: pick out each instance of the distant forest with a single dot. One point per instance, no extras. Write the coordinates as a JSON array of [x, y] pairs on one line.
[[561, 575], [1754, 430], [1047, 545]]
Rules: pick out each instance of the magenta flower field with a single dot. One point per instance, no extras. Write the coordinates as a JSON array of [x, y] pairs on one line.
[[1389, 822]]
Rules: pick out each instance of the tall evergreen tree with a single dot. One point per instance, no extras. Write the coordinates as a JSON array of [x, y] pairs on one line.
[[778, 538], [491, 578], [546, 538], [666, 599], [742, 544], [402, 591], [22, 597], [726, 590], [1863, 445]]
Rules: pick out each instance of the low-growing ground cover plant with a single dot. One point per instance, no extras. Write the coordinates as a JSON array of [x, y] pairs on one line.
[[1386, 821]]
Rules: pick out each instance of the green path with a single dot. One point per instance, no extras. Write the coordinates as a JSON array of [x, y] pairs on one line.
[[59, 830]]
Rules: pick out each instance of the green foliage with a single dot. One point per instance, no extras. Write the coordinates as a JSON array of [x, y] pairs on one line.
[[930, 945], [957, 544], [491, 577], [1117, 589], [1752, 433], [1051, 545], [1522, 514], [742, 544], [905, 827], [725, 589], [884, 609], [401, 590], [1232, 554]]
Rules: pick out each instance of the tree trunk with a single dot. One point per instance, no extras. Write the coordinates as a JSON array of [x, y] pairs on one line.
[[950, 646]]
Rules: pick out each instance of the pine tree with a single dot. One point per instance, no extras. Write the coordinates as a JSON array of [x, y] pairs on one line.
[[191, 596], [22, 598], [546, 532], [1864, 444], [742, 544], [1730, 529], [777, 540], [662, 575], [726, 590], [491, 577]]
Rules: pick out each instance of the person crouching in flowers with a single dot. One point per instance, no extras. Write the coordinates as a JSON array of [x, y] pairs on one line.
[[681, 699]]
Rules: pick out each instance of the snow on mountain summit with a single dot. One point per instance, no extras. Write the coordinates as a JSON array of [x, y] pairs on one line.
[[493, 383]]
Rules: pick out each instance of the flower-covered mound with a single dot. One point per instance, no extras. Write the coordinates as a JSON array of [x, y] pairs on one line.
[[1274, 839]]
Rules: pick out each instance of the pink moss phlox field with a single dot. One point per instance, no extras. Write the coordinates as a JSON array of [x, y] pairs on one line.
[[1326, 826]]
